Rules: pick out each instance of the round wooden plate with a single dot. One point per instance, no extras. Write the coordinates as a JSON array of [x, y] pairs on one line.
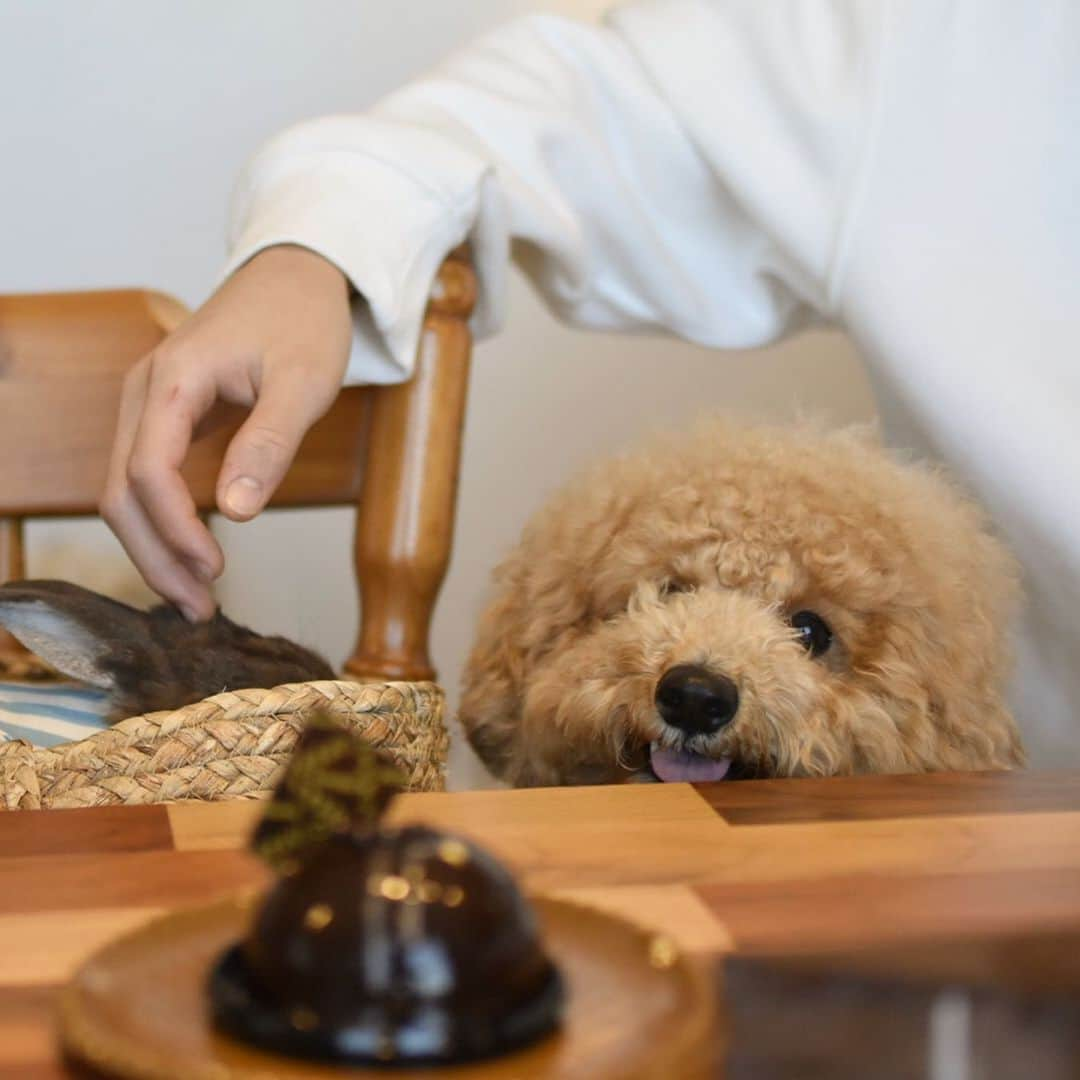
[[136, 1009]]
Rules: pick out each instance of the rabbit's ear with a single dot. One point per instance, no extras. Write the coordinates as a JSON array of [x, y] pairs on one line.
[[71, 628]]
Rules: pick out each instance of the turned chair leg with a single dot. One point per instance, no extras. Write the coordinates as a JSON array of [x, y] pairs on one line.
[[405, 521]]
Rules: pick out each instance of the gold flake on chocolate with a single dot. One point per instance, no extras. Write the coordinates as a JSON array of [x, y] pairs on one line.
[[393, 887], [453, 852], [412, 887], [663, 952], [429, 891], [318, 917]]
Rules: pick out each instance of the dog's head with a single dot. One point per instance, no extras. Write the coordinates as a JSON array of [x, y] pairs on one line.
[[746, 602]]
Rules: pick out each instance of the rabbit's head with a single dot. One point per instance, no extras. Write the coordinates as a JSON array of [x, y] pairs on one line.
[[147, 660]]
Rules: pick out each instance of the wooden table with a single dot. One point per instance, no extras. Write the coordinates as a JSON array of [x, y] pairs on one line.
[[772, 866]]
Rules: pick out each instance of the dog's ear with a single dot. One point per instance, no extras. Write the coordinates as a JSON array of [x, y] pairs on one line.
[[490, 709], [78, 632]]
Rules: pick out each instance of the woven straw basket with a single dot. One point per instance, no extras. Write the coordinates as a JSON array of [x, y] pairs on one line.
[[229, 746]]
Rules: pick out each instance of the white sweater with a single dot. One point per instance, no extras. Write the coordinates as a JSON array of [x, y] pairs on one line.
[[728, 170]]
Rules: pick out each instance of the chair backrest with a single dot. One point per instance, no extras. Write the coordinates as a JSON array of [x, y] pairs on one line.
[[393, 451]]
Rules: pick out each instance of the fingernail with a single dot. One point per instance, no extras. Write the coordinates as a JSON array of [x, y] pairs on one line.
[[189, 613], [244, 496]]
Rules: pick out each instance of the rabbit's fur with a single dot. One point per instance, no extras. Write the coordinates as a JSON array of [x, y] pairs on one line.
[[147, 660]]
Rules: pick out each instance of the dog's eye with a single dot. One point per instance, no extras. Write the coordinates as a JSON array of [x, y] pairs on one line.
[[813, 631], [670, 588]]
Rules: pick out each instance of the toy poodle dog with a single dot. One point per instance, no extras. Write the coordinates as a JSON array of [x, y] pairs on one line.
[[747, 602]]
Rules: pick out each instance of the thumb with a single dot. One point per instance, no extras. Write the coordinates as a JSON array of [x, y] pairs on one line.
[[263, 449]]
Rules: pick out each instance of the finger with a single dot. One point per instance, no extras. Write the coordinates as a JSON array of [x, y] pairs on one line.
[[159, 566], [172, 407], [132, 398], [263, 449], [163, 571]]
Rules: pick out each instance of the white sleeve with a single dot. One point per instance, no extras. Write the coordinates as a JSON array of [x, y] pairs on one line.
[[561, 138]]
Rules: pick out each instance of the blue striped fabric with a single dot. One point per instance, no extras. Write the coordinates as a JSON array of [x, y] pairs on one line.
[[47, 714]]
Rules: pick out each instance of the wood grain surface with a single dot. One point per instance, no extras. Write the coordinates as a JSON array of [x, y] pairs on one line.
[[958, 870]]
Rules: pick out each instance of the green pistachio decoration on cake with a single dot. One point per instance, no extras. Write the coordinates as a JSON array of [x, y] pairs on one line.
[[334, 783]]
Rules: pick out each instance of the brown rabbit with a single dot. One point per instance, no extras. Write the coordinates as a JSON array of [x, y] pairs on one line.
[[147, 660]]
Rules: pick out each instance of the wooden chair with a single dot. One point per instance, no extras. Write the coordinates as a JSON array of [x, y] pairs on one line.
[[392, 451]]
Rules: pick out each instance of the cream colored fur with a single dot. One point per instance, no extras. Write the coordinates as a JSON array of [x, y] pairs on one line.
[[697, 549]]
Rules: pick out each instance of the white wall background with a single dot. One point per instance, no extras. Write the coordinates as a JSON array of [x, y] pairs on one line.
[[122, 127]]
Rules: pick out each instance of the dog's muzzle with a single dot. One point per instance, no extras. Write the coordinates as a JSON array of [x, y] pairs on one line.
[[695, 701]]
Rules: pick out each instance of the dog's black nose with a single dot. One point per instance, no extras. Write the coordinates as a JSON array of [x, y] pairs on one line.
[[695, 700]]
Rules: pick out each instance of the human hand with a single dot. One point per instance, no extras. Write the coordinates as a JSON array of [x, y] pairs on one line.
[[275, 339]]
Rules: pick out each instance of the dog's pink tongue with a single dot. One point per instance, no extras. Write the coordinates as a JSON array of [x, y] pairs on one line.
[[684, 766]]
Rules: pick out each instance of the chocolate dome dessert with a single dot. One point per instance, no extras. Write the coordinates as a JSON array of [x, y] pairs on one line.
[[379, 946]]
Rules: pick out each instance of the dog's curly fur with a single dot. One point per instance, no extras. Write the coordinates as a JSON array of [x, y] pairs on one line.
[[697, 550]]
